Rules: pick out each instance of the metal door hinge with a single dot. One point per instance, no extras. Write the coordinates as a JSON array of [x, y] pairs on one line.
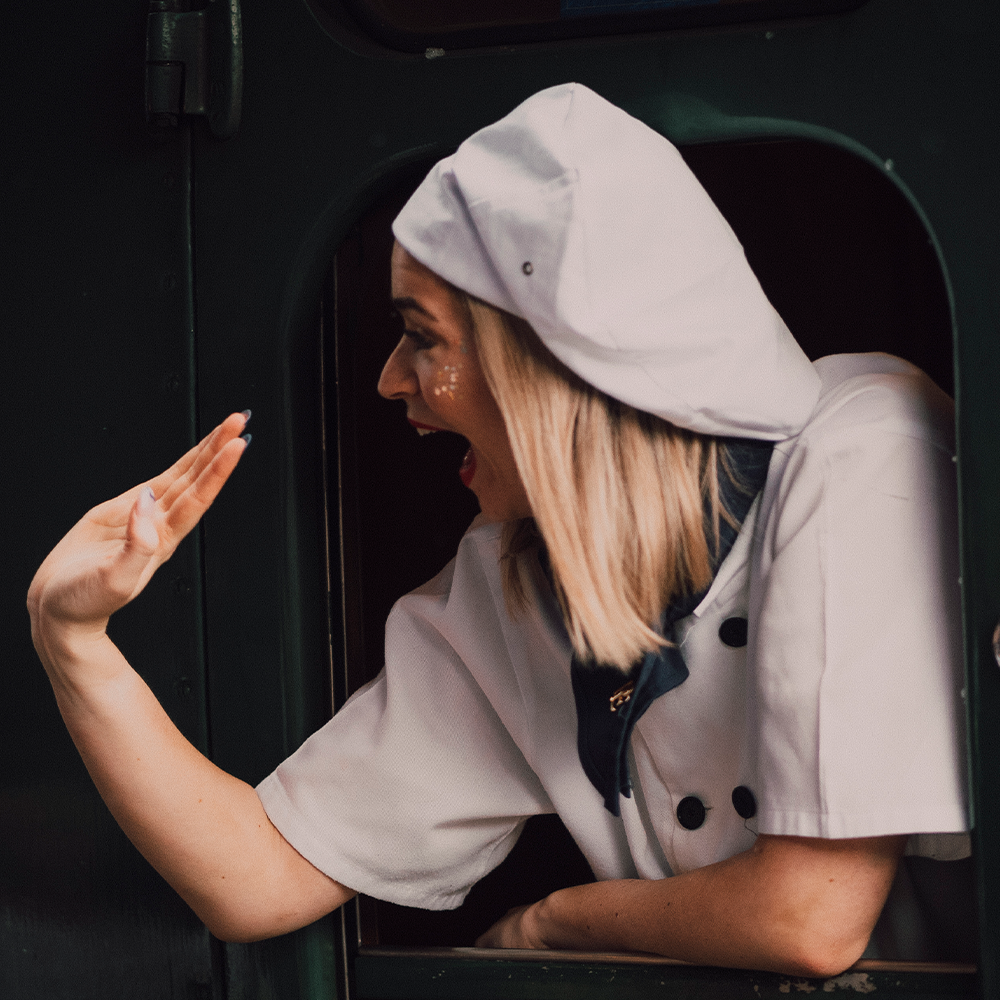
[[194, 65]]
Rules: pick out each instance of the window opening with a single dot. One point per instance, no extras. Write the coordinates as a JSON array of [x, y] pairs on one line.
[[840, 253]]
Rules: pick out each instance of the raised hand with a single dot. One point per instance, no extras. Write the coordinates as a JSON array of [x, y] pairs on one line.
[[204, 830], [110, 554]]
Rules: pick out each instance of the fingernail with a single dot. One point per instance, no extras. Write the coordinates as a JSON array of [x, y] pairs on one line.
[[248, 438], [245, 414], [147, 500]]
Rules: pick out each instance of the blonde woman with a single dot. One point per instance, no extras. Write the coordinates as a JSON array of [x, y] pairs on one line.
[[708, 613]]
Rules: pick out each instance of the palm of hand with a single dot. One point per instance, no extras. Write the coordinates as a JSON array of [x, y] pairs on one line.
[[108, 557]]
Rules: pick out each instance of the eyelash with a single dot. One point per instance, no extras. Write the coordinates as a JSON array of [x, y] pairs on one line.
[[421, 341]]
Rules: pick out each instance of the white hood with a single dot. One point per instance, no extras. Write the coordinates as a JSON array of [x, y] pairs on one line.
[[585, 222]]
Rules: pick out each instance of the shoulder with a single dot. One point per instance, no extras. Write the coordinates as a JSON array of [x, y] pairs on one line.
[[873, 394], [878, 447], [876, 413], [457, 613], [433, 624], [475, 565]]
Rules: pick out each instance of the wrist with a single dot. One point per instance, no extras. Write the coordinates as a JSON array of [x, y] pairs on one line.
[[75, 655]]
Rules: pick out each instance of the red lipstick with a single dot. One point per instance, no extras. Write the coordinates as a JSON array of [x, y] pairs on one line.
[[422, 428], [468, 468]]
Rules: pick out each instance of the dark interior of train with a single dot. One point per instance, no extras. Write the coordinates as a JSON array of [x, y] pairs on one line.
[[840, 252]]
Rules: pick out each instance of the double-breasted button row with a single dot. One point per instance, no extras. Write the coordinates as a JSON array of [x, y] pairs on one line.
[[691, 811]]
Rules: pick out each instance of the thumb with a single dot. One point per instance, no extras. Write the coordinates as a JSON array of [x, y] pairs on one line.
[[142, 540]]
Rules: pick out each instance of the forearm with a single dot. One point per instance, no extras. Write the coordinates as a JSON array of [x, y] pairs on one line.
[[791, 905], [202, 829]]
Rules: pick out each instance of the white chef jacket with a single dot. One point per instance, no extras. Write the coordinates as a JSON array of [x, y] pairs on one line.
[[843, 713]]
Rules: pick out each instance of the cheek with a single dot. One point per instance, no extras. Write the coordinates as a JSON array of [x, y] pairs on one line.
[[447, 382]]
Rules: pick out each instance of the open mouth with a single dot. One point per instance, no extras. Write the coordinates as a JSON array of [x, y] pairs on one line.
[[423, 429], [467, 470]]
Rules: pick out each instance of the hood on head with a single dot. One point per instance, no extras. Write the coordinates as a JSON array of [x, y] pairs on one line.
[[580, 219]]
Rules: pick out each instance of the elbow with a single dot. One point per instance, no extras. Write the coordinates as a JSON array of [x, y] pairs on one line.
[[237, 920], [821, 953], [257, 922], [233, 928], [238, 928], [236, 935]]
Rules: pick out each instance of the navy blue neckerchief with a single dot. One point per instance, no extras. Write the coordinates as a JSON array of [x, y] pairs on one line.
[[602, 734]]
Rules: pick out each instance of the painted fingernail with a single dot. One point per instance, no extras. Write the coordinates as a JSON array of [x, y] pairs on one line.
[[248, 438], [245, 414]]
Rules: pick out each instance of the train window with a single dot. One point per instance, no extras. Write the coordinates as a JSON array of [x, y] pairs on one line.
[[840, 252], [464, 23]]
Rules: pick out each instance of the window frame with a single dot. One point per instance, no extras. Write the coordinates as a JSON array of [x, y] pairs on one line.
[[383, 30], [380, 972]]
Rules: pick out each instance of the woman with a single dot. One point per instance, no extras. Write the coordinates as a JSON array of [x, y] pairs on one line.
[[743, 730]]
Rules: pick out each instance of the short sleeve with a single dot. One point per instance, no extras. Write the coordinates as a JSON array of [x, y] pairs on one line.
[[855, 645], [415, 789]]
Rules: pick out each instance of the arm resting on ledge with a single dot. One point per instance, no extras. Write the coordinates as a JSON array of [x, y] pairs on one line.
[[797, 905]]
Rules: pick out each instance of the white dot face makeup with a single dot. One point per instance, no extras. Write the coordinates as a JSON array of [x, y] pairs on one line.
[[448, 378], [435, 370]]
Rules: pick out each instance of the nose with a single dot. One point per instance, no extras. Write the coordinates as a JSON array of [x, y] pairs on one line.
[[398, 379]]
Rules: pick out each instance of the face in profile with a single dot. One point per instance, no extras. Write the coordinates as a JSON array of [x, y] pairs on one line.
[[435, 370]]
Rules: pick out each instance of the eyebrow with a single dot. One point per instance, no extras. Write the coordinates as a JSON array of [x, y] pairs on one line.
[[410, 303]]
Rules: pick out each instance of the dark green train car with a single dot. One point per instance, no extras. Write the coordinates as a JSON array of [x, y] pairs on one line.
[[225, 247]]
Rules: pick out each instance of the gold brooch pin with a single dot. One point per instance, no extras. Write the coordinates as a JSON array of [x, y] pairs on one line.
[[622, 696]]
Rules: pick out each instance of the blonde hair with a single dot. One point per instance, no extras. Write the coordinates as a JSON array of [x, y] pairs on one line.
[[618, 495]]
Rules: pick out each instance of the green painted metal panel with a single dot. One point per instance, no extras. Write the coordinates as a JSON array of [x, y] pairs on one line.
[[96, 354], [330, 118], [101, 360]]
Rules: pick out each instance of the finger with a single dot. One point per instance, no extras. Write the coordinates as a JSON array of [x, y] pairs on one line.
[[170, 484], [125, 574], [142, 534], [162, 482], [202, 453], [187, 509], [184, 472]]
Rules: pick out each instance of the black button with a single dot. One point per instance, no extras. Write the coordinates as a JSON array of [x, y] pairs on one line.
[[744, 802], [733, 631], [690, 812]]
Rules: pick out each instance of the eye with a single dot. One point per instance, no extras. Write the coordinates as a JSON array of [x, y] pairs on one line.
[[419, 340]]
